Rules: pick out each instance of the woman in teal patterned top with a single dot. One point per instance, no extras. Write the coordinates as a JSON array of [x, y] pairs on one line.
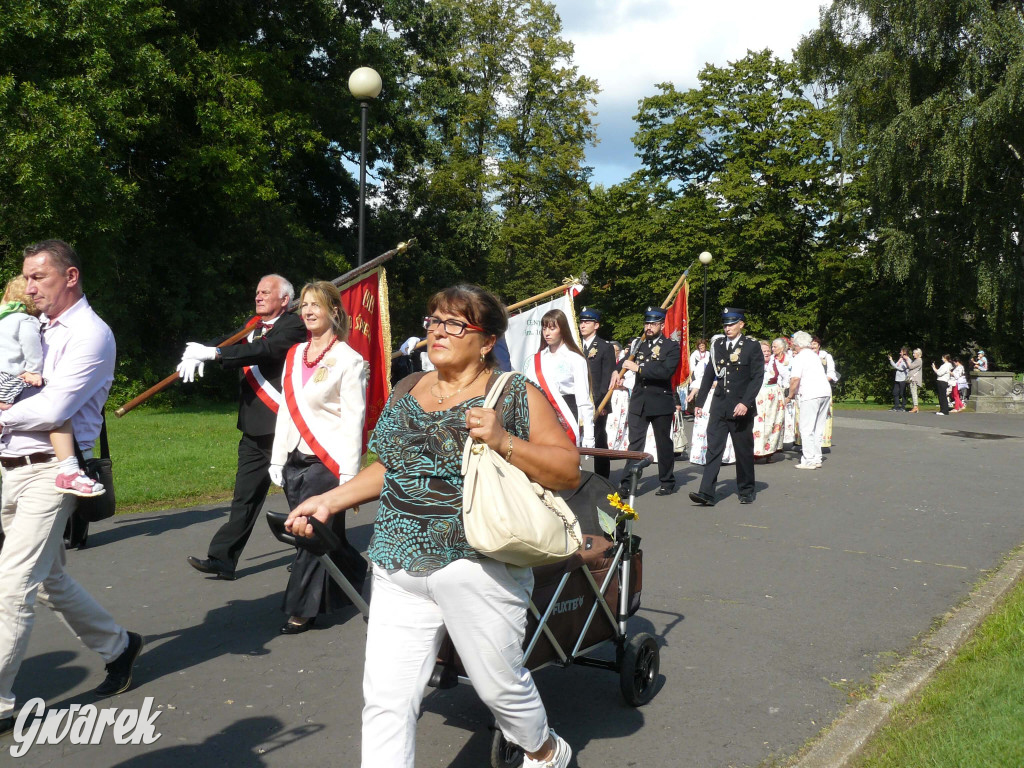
[[425, 575]]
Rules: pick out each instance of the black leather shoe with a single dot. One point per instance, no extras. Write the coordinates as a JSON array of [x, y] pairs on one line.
[[702, 498], [6, 725], [218, 568], [747, 498], [290, 628], [119, 671], [665, 490]]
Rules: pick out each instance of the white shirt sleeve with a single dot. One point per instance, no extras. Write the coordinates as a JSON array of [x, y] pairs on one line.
[[84, 368], [581, 391]]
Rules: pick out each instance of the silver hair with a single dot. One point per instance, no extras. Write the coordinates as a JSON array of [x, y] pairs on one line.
[[802, 339], [781, 341], [287, 289]]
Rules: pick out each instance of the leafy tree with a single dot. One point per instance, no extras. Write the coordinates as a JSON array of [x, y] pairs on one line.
[[187, 147], [933, 93], [505, 118], [750, 143]]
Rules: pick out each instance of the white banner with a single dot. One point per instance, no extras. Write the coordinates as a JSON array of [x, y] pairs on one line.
[[524, 331]]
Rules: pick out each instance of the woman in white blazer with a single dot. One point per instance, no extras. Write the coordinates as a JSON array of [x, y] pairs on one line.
[[318, 443]]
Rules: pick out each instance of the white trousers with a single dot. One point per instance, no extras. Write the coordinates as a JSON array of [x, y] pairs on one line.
[[813, 418], [33, 515], [483, 604]]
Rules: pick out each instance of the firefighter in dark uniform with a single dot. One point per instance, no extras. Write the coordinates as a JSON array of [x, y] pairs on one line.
[[653, 401], [600, 357], [738, 364]]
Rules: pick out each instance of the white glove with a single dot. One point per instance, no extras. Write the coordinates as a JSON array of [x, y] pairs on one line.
[[196, 351], [276, 472], [188, 369], [587, 442]]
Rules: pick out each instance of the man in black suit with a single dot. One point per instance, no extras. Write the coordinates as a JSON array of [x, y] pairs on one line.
[[259, 361], [653, 401], [601, 361], [738, 364]]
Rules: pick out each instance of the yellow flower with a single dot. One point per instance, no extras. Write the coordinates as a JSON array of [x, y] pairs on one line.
[[614, 500]]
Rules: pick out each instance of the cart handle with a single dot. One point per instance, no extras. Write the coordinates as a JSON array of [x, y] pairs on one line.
[[324, 539], [607, 453]]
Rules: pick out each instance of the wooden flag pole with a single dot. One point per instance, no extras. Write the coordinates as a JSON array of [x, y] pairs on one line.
[[241, 334]]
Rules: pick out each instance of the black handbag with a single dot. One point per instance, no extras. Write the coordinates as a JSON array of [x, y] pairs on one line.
[[101, 469]]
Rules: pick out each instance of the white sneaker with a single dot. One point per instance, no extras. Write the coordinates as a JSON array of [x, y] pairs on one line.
[[801, 465], [563, 753]]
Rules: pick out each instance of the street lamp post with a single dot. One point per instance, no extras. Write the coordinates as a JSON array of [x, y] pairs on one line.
[[705, 259], [364, 84]]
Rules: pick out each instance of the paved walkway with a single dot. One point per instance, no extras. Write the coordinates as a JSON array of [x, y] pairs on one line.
[[768, 614]]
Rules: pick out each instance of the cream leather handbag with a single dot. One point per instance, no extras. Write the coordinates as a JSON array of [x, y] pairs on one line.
[[507, 516]]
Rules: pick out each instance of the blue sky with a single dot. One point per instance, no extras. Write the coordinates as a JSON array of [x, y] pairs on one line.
[[629, 45]]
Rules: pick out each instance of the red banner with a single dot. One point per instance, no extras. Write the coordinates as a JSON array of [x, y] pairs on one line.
[[677, 326], [366, 302]]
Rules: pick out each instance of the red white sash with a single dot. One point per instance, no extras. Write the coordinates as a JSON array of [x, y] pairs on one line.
[[298, 408], [565, 417], [264, 389]]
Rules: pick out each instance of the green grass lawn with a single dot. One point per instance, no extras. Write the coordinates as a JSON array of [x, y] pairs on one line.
[[165, 458], [972, 713]]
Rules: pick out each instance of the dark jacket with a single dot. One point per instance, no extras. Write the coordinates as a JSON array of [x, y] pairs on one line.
[[268, 352], [653, 394], [742, 377], [601, 362]]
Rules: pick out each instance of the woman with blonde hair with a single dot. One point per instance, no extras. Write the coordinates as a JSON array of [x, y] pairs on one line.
[[915, 370], [317, 445]]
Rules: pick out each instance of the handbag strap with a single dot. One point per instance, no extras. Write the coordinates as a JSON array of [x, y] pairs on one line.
[[497, 387], [104, 446]]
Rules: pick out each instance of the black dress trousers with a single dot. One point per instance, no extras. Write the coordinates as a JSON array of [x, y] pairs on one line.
[[742, 432], [311, 590], [251, 485]]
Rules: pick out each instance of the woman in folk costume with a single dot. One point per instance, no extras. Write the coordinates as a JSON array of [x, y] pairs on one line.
[[698, 361], [770, 422], [318, 443], [617, 423], [783, 358], [699, 437], [561, 371]]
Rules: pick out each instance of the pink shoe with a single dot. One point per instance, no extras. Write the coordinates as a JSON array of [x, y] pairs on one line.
[[79, 484]]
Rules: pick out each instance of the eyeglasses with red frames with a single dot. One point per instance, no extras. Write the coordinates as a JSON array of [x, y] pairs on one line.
[[452, 326]]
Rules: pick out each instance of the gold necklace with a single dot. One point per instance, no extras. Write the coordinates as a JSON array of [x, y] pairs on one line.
[[442, 398]]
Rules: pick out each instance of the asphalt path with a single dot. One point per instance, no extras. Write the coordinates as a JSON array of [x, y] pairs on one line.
[[770, 616]]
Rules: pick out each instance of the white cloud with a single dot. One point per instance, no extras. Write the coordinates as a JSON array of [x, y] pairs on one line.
[[630, 45]]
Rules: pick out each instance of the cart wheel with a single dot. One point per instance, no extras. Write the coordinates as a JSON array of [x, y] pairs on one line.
[[641, 660], [505, 754]]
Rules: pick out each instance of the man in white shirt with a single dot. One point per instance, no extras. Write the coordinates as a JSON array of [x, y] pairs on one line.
[[78, 367], [808, 383]]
